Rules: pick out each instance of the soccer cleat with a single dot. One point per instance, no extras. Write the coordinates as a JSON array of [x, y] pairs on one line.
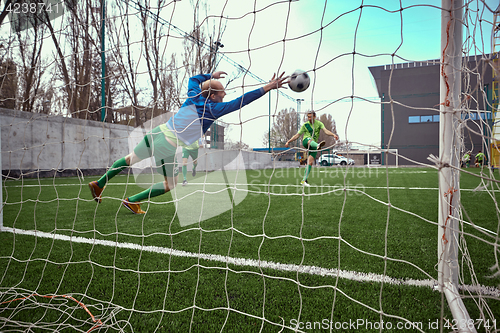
[[194, 172], [134, 207], [321, 145], [96, 191], [305, 183], [184, 183]]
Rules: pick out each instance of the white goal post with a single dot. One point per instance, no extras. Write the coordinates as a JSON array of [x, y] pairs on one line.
[[449, 159]]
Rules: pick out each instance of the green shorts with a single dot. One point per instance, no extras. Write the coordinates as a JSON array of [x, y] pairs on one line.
[[155, 144], [188, 152], [305, 143]]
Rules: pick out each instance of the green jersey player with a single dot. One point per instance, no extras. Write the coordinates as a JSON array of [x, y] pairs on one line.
[[310, 130], [191, 150]]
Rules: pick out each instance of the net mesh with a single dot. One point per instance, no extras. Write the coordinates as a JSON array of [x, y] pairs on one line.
[[244, 246]]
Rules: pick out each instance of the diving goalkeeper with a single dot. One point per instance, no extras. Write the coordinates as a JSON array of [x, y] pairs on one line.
[[203, 106], [310, 130]]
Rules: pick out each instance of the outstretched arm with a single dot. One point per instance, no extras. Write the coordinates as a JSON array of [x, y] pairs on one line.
[[276, 82], [295, 137], [327, 132]]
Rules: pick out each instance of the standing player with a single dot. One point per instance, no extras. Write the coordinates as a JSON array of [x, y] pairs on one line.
[[466, 159], [480, 159], [203, 106], [191, 150], [311, 129]]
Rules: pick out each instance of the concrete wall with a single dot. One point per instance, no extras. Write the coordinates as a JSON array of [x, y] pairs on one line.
[[35, 145], [39, 145], [32, 141]]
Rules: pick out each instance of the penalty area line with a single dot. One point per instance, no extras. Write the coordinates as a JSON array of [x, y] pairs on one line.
[[304, 269]]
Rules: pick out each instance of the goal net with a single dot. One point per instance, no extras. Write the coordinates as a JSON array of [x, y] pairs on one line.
[[393, 226]]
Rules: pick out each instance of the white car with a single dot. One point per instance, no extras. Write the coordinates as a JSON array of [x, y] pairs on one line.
[[334, 159]]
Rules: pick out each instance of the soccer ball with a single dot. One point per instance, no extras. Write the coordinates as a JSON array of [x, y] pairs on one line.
[[299, 81]]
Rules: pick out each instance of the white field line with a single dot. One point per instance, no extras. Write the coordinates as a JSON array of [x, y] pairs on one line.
[[260, 185], [286, 185], [304, 269]]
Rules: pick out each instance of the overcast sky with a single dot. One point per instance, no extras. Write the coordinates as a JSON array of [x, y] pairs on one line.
[[320, 37]]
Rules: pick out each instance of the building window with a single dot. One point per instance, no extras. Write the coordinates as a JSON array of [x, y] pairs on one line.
[[413, 119], [485, 115], [423, 119], [477, 116], [435, 118]]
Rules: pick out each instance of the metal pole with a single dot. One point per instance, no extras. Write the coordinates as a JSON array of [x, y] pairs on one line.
[[269, 132], [103, 63], [299, 100], [1, 180], [382, 155], [449, 195], [450, 87]]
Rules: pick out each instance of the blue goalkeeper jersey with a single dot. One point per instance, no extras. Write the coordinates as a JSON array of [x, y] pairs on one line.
[[198, 113]]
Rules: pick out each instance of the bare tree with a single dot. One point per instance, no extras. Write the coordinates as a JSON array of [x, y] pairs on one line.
[[64, 73], [153, 48], [81, 71], [166, 79], [162, 84], [199, 53], [170, 87], [329, 123], [202, 45], [8, 74], [85, 60], [120, 34], [283, 128], [274, 137], [8, 83], [31, 69], [239, 145]]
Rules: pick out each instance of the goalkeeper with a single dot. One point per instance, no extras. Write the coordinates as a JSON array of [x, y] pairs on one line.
[[311, 130], [203, 106]]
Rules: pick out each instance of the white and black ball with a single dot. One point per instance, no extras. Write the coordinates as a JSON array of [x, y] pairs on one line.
[[299, 81]]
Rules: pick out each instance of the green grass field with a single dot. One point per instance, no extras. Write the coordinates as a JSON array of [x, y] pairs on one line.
[[120, 265]]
